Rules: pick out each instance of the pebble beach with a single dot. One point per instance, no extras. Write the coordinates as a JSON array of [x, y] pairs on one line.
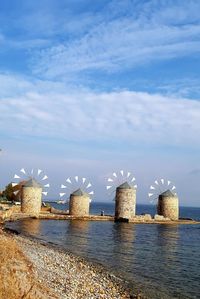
[[67, 276]]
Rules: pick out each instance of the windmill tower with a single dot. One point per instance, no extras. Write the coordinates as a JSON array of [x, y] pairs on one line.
[[79, 203], [79, 200], [31, 191], [31, 200], [163, 191], [125, 201], [168, 205], [125, 194]]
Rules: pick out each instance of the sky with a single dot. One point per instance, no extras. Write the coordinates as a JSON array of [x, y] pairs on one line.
[[89, 88]]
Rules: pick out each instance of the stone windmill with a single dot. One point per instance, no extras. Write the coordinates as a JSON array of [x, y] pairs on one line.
[[123, 184], [79, 190], [32, 190], [163, 192]]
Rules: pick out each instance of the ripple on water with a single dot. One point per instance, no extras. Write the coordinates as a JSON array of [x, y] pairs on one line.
[[162, 260]]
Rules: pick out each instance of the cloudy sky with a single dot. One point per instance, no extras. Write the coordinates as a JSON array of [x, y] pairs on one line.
[[91, 87]]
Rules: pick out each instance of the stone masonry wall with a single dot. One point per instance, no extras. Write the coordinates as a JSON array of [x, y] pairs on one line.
[[31, 200], [169, 207], [79, 205], [125, 203]]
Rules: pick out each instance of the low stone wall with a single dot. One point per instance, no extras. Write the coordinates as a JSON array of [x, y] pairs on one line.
[[9, 215], [45, 209], [72, 217], [60, 212], [143, 218], [161, 218]]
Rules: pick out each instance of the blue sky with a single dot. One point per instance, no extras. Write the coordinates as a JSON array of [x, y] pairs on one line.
[[92, 87]]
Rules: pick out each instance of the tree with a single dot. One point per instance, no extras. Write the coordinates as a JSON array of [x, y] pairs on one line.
[[9, 192]]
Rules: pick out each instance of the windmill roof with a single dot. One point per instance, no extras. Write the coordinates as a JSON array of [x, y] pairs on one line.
[[124, 186], [32, 183], [167, 193], [79, 192]]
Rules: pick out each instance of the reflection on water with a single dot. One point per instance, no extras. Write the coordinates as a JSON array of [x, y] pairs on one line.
[[167, 239], [77, 234], [163, 260], [78, 226], [32, 227], [123, 234], [123, 240]]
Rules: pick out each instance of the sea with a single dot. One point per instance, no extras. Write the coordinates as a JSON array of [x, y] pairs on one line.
[[160, 260]]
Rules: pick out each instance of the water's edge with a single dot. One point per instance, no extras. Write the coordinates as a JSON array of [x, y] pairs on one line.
[[130, 286], [161, 260]]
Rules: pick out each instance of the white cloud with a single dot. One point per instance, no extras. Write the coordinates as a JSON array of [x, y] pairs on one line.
[[139, 121], [114, 48], [126, 41], [119, 36], [104, 117]]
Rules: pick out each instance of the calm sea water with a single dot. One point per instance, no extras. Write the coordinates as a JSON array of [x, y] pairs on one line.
[[161, 260]]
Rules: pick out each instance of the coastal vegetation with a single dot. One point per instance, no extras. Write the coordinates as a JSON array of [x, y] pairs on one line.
[[11, 193]]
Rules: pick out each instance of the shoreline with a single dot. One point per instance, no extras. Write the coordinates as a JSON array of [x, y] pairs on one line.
[[138, 219], [70, 276]]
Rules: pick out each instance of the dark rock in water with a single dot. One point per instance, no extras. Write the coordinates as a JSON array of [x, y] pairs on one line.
[[122, 220]]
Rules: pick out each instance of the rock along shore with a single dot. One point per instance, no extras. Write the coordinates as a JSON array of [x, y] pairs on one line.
[[62, 275]]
